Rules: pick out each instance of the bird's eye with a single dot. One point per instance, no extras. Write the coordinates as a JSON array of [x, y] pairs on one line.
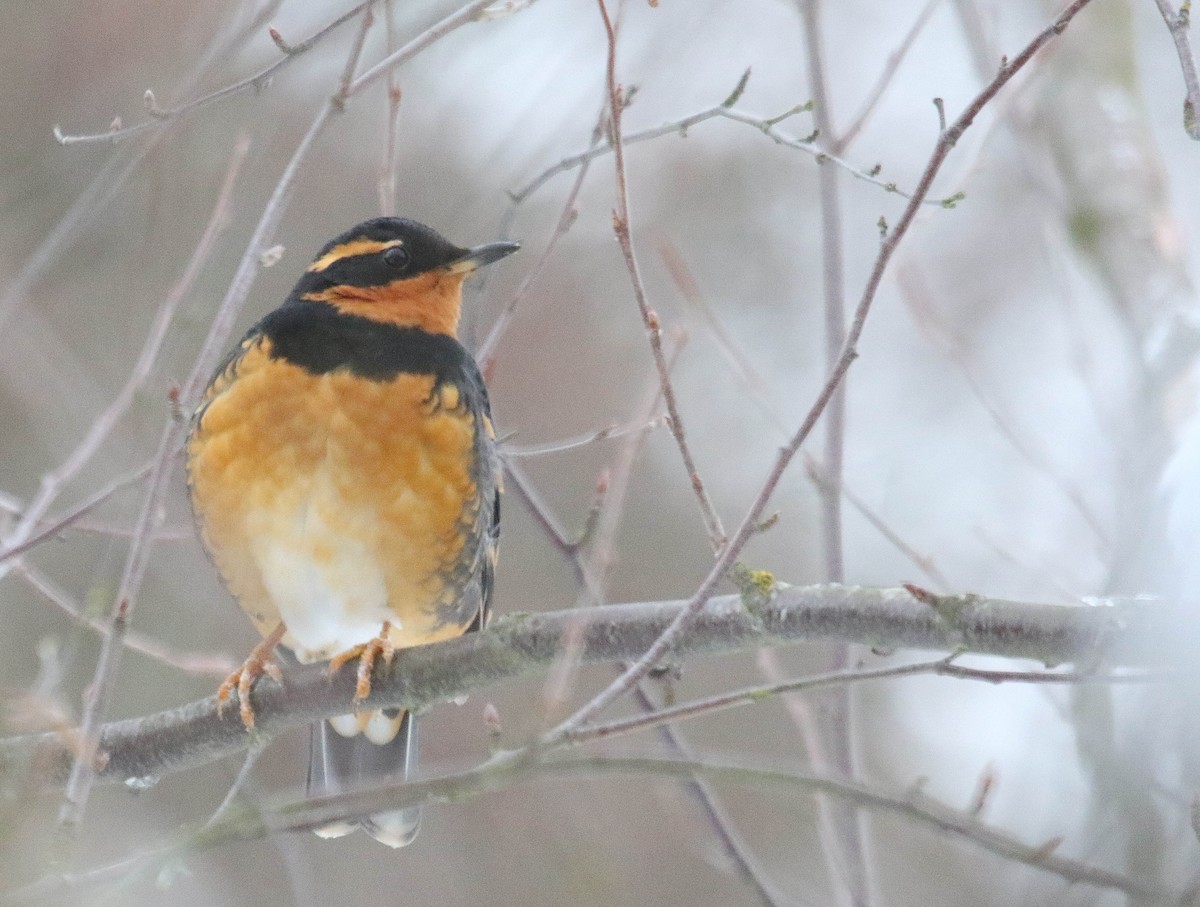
[[396, 257]]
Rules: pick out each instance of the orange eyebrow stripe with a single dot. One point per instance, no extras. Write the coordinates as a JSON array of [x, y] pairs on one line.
[[354, 247]]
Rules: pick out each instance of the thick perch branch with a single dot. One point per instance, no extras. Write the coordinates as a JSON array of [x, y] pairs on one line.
[[1112, 635]]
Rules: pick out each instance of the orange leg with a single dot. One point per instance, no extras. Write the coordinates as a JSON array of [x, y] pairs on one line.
[[367, 654], [260, 661]]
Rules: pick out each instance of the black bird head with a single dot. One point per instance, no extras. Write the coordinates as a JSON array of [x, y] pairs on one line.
[[396, 270]]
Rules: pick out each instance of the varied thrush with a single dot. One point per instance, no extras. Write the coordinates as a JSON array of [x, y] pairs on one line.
[[343, 471]]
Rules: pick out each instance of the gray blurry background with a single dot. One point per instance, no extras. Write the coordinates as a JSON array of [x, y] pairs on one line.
[[1023, 388]]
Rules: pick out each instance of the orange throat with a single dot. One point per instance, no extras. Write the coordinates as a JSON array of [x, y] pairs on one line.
[[430, 301]]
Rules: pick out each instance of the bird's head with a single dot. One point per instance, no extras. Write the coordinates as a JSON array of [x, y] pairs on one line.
[[396, 271]]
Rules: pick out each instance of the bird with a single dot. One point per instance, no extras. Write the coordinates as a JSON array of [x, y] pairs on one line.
[[344, 476]]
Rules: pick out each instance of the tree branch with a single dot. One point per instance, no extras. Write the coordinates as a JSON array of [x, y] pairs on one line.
[[503, 771], [260, 80], [1177, 25], [621, 227], [1113, 634], [752, 521]]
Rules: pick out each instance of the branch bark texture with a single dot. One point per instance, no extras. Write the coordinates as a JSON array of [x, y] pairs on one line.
[[1111, 634]]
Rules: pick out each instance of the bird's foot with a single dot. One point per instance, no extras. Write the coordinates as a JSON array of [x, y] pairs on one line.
[[260, 661], [367, 654]]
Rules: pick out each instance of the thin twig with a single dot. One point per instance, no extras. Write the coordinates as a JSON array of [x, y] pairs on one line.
[[258, 82], [912, 805], [566, 219], [922, 562], [243, 279], [760, 391], [942, 667], [748, 866], [591, 573], [834, 293], [1042, 574], [623, 232], [597, 561], [55, 525], [100, 191], [554, 529], [112, 530], [540, 510], [608, 433], [753, 518], [648, 411], [387, 170], [1178, 24], [255, 750], [940, 334], [743, 367], [766, 125], [830, 736], [108, 182], [356, 49], [846, 138], [79, 783], [210, 664], [505, 770], [53, 481], [52, 888], [504, 8], [466, 14]]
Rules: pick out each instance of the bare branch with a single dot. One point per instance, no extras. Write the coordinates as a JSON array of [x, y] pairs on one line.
[[505, 771], [623, 231], [895, 58], [108, 181], [608, 433], [733, 354], [760, 391], [753, 518], [1178, 24], [387, 170], [1114, 634], [57, 524], [938, 332], [913, 806], [356, 49], [768, 126], [597, 535], [923, 562], [830, 737], [749, 868], [210, 664], [137, 558], [258, 82], [53, 481], [239, 782], [595, 561], [470, 12], [942, 667], [566, 219]]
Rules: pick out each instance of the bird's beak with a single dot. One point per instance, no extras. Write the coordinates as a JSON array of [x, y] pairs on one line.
[[480, 256]]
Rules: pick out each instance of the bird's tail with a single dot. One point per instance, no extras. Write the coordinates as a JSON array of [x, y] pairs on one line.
[[340, 763]]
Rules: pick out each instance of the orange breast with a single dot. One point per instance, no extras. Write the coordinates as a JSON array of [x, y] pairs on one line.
[[333, 502]]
